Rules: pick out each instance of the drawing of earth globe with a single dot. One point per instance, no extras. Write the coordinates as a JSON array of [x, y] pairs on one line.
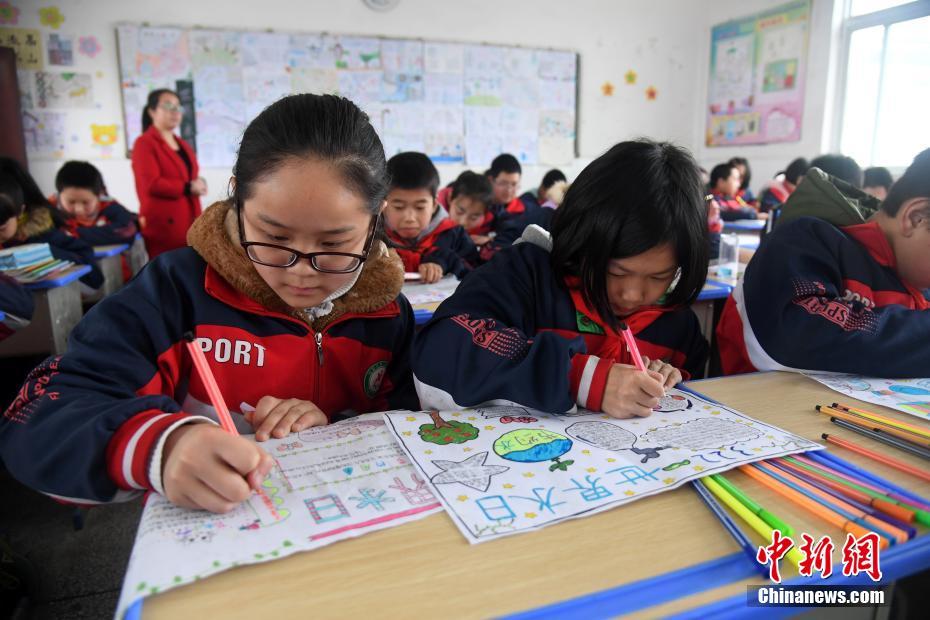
[[531, 445]]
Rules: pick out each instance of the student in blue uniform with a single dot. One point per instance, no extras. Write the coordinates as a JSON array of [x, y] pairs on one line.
[[538, 325], [838, 286], [418, 227], [288, 292]]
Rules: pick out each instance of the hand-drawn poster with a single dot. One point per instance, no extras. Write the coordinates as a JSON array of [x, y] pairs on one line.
[[907, 395], [505, 470], [757, 69], [329, 483], [445, 99]]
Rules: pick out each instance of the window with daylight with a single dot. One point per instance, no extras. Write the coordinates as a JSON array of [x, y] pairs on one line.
[[886, 83]]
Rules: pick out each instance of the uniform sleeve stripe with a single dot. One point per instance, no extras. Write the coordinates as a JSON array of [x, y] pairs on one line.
[[598, 384], [584, 383], [130, 450]]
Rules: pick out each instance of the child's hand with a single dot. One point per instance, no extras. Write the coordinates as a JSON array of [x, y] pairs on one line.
[[430, 272], [631, 392], [672, 376], [205, 467], [274, 417], [480, 240]]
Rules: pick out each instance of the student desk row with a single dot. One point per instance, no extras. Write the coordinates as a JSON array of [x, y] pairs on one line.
[[744, 226], [57, 310], [110, 260], [665, 555]]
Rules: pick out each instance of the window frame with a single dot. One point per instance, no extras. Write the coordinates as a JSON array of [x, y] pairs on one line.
[[886, 18]]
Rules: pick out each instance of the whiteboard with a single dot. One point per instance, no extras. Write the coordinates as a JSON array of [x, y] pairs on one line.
[[458, 103]]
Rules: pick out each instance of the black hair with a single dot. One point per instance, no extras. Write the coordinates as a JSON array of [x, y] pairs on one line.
[[11, 198], [796, 170], [79, 174], [551, 178], [720, 171], [152, 103], [412, 170], [638, 195], [747, 176], [33, 197], [841, 167], [474, 186], [877, 177], [914, 183], [323, 127], [504, 163]]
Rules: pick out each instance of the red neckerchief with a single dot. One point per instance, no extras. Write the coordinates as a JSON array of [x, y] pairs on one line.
[[610, 345], [412, 252], [485, 226], [871, 236], [515, 206]]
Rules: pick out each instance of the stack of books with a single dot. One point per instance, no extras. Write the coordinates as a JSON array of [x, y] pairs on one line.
[[30, 262]]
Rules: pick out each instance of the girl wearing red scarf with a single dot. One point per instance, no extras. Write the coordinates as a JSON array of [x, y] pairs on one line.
[[539, 326]]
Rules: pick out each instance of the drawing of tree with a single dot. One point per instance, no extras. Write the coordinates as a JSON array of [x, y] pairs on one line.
[[444, 432]]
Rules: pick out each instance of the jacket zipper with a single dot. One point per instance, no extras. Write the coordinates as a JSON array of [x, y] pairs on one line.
[[318, 338]]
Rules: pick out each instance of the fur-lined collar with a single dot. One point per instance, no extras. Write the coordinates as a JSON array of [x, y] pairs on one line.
[[215, 236], [34, 222]]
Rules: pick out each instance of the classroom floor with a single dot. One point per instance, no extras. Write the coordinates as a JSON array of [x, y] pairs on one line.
[[78, 573]]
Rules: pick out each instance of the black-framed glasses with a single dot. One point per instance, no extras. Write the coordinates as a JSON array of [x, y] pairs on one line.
[[271, 255]]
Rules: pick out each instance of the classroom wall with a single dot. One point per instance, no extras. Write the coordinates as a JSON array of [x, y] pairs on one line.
[[816, 123], [658, 39]]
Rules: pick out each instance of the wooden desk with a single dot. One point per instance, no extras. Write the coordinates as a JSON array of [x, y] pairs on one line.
[[110, 260], [57, 310], [426, 569]]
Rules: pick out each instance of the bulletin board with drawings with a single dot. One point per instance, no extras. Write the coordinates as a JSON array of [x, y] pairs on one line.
[[459, 103], [59, 89], [757, 72]]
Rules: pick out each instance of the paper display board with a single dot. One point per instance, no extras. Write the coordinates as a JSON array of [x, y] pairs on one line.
[[757, 71], [458, 103]]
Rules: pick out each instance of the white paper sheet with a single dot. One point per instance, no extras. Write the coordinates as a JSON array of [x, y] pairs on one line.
[[505, 470], [330, 483], [907, 395]]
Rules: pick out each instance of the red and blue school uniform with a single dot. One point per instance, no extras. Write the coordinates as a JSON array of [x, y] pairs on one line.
[[514, 333], [113, 224], [89, 426], [821, 297], [442, 242], [734, 208]]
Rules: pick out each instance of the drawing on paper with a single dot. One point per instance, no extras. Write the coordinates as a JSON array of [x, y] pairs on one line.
[[612, 461], [472, 472], [442, 432]]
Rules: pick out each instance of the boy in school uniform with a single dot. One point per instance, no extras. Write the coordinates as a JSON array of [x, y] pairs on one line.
[[37, 222], [504, 174], [838, 286], [725, 187], [418, 227], [91, 215], [469, 205]]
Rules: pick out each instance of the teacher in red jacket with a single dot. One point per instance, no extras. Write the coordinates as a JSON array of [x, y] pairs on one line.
[[167, 175]]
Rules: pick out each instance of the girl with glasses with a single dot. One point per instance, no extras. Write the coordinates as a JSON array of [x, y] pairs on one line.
[[290, 293]]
